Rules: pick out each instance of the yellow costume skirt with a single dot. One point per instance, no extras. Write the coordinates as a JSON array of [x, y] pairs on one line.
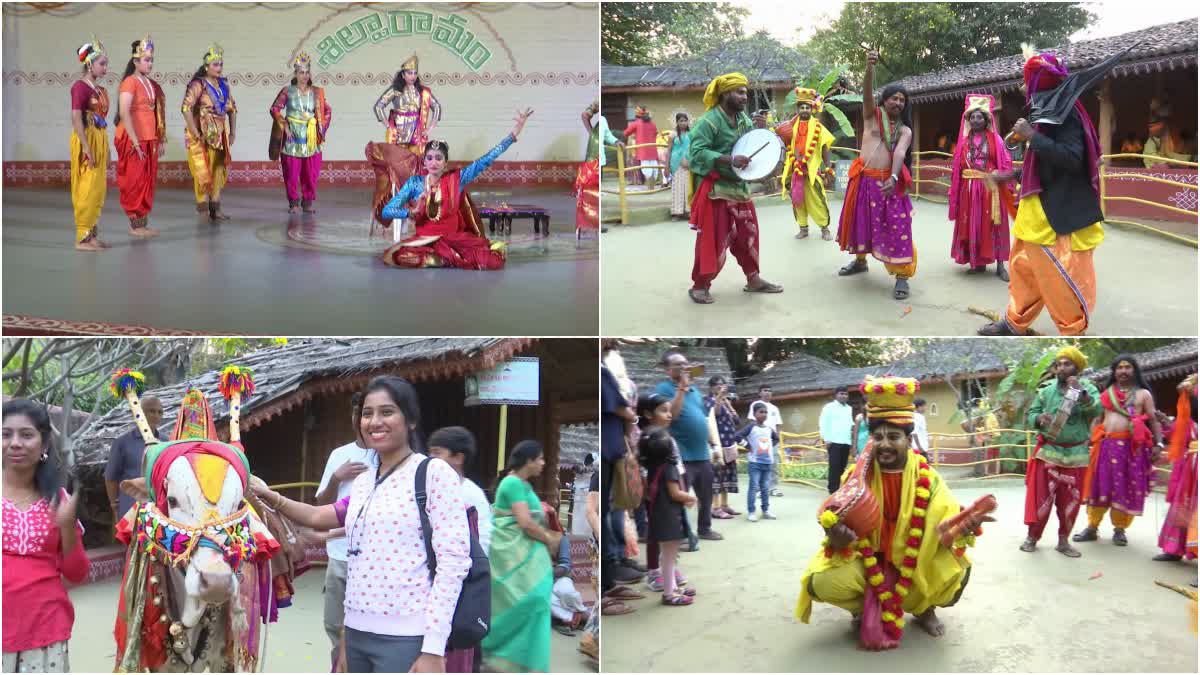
[[88, 183], [209, 171]]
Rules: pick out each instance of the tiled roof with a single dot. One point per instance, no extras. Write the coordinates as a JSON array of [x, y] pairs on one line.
[[655, 76], [809, 374], [642, 358], [575, 442], [1162, 47], [284, 370], [1174, 361]]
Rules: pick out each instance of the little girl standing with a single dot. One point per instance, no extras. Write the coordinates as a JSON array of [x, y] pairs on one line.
[[666, 502]]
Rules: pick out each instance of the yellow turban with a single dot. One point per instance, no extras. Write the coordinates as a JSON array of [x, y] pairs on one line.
[[720, 85], [1074, 355]]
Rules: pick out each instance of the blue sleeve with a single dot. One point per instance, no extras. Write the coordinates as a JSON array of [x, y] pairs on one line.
[[471, 171], [744, 432], [666, 389], [398, 206]]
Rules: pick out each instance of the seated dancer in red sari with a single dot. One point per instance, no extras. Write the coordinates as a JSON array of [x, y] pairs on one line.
[[448, 228], [1181, 490], [1124, 447], [876, 211], [979, 206]]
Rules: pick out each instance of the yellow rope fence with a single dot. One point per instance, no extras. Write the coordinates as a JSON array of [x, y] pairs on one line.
[[622, 191]]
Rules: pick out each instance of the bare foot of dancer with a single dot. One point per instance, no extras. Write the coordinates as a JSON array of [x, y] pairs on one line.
[[930, 623], [89, 245], [143, 232]]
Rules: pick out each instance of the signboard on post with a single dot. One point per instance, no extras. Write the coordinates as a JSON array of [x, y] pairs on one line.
[[517, 381], [514, 382]]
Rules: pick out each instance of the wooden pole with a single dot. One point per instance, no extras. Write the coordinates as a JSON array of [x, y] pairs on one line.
[[623, 207], [503, 434], [1108, 118]]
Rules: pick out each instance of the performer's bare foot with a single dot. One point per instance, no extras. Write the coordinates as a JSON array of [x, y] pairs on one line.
[[700, 296], [1029, 545], [1064, 547], [803, 233], [89, 245], [1086, 534], [295, 208], [143, 232], [900, 292], [931, 624], [976, 270], [215, 213], [1119, 537], [102, 243], [856, 267], [1001, 272], [826, 234], [307, 206], [202, 207], [758, 284]]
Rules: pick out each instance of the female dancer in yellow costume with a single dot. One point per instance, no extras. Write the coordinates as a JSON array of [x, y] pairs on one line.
[[89, 146]]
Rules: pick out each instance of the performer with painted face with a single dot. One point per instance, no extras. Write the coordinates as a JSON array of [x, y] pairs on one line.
[[876, 211], [896, 538], [979, 206], [302, 117], [449, 232], [141, 137], [210, 114], [89, 146], [807, 163]]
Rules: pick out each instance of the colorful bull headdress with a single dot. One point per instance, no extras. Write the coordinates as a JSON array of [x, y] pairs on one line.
[[147, 637]]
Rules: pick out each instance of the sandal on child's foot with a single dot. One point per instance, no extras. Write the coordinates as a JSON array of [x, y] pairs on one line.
[[676, 600]]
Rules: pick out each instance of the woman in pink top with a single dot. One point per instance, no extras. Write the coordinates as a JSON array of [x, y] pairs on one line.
[[396, 619], [43, 542]]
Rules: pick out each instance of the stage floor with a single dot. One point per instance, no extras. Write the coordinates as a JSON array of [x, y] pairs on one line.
[[267, 273]]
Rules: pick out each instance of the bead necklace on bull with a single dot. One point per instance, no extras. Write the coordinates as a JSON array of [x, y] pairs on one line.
[[188, 599]]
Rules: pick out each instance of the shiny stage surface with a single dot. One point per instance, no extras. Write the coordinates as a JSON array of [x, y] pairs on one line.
[[269, 273]]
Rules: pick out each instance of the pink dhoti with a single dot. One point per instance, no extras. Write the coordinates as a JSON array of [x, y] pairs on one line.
[[300, 176]]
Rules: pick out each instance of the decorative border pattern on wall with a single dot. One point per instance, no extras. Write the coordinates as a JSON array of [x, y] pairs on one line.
[[261, 174], [279, 79], [22, 324]]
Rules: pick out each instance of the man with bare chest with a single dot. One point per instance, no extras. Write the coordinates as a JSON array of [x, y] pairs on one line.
[[1122, 453], [876, 211]]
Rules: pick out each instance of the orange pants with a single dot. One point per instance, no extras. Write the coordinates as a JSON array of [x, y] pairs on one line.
[[1057, 278]]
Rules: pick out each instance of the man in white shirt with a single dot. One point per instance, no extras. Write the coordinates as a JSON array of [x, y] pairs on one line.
[[456, 446], [836, 425], [920, 428], [342, 467], [775, 423]]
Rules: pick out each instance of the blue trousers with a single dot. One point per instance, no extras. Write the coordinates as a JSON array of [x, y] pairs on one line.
[[760, 482]]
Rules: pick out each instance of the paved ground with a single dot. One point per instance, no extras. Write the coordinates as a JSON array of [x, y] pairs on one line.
[[1021, 612], [296, 644], [648, 272], [265, 273]]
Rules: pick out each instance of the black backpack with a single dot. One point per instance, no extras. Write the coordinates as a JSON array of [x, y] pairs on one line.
[[473, 613]]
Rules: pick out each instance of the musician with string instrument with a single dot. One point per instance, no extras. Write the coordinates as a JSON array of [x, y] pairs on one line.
[[722, 213], [896, 538]]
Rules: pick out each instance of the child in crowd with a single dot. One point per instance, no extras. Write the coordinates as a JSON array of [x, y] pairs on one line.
[[666, 502], [654, 413], [762, 440]]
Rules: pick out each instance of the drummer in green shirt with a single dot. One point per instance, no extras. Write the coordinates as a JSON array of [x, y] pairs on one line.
[[1054, 477], [722, 212]]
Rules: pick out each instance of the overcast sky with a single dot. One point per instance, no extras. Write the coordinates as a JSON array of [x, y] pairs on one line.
[[795, 22]]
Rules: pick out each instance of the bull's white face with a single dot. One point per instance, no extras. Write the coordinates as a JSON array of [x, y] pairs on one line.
[[210, 492]]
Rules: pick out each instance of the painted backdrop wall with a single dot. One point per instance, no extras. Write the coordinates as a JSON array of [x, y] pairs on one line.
[[481, 60]]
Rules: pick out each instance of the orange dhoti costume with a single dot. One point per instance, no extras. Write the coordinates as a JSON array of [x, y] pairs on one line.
[[137, 175]]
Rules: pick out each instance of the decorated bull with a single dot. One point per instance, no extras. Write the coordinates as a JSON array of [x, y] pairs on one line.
[[197, 579]]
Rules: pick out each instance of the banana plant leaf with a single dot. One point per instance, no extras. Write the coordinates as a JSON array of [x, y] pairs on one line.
[[844, 127]]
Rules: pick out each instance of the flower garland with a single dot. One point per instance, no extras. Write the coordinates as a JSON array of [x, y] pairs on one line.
[[157, 532], [814, 133]]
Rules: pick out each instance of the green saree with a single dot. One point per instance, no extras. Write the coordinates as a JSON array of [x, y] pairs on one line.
[[522, 581]]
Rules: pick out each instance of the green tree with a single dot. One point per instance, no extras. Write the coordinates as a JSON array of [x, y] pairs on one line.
[[916, 38], [644, 33], [750, 356]]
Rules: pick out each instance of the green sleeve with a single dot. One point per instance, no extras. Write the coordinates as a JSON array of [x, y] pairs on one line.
[[1038, 407], [507, 492], [1093, 407], [702, 159]]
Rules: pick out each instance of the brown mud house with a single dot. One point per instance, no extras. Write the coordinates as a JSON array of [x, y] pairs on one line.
[[300, 410]]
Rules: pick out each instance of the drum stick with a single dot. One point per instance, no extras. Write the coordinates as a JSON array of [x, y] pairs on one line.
[[764, 147]]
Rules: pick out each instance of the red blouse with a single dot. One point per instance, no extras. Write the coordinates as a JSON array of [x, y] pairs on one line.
[[37, 611]]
